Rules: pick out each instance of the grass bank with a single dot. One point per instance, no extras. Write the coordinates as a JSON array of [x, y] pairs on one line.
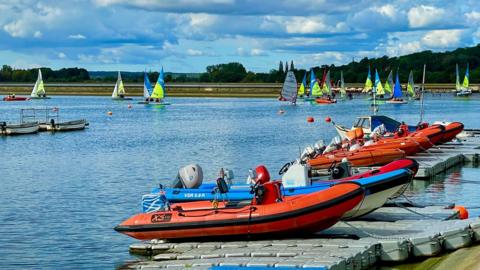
[[180, 90]]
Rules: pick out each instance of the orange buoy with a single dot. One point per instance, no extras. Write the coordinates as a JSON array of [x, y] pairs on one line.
[[109, 113], [310, 119], [328, 119], [129, 106], [462, 211]]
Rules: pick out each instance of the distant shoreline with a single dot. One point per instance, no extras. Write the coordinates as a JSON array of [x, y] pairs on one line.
[[260, 90]]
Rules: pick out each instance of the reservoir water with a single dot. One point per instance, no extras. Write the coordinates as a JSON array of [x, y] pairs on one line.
[[61, 194]]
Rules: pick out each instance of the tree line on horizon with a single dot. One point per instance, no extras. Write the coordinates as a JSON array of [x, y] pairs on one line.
[[440, 69]]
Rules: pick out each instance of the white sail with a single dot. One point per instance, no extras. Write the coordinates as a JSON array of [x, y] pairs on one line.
[[119, 89], [343, 91], [38, 90], [289, 89]]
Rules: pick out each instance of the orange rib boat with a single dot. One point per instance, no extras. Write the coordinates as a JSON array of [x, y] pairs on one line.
[[410, 145], [434, 133], [325, 101], [358, 158], [303, 213], [451, 131]]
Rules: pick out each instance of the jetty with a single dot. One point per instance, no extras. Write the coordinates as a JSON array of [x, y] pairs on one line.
[[389, 234], [395, 233]]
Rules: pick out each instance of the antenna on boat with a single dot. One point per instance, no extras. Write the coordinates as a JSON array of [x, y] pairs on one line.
[[422, 111]]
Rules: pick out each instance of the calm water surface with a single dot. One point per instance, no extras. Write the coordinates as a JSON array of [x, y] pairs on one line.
[[61, 194]]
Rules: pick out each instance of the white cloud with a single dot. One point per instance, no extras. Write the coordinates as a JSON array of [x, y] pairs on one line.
[[421, 16], [37, 34], [398, 49], [193, 52], [77, 36], [303, 25], [250, 52], [473, 16], [16, 29], [61, 55], [442, 38], [386, 10]]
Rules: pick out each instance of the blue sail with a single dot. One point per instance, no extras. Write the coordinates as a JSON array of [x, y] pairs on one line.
[[397, 90], [147, 86]]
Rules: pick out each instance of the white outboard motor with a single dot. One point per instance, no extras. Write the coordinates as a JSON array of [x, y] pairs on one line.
[[296, 175], [334, 145], [307, 153], [380, 130], [190, 176], [319, 146]]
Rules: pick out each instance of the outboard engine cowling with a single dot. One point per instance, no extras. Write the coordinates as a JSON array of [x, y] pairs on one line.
[[190, 176]]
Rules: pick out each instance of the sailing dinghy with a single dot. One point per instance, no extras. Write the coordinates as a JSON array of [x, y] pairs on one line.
[[463, 90], [38, 91], [326, 90], [397, 93], [158, 93], [289, 89], [119, 90]]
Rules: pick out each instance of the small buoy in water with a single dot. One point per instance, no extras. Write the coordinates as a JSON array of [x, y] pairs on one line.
[[281, 112], [109, 113], [462, 211], [129, 106], [328, 119], [310, 119]]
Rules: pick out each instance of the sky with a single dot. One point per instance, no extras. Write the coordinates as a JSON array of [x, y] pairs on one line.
[[188, 35]]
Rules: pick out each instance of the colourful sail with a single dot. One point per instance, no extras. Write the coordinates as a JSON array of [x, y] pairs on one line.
[[38, 90], [343, 91], [378, 84], [159, 89], [289, 89], [411, 85], [368, 82], [389, 83], [457, 78], [119, 90], [327, 84], [397, 89], [303, 85], [314, 87], [465, 79], [147, 86]]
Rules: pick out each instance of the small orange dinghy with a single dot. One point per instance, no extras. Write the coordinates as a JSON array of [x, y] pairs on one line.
[[268, 213], [357, 158]]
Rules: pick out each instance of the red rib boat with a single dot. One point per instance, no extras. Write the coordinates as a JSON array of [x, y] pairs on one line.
[[15, 98], [271, 213]]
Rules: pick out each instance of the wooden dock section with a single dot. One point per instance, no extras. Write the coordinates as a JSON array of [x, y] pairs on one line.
[[389, 234]]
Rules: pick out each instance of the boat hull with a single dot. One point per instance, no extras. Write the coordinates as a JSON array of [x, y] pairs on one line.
[[358, 158], [154, 103], [15, 98], [19, 129], [451, 131], [396, 101], [395, 175], [64, 126], [40, 97], [124, 98], [325, 101], [305, 213]]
